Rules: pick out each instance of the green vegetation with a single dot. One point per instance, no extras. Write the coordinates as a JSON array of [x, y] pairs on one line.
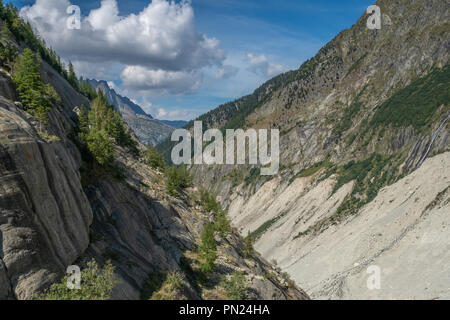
[[161, 286], [222, 224], [154, 282], [98, 132], [8, 52], [415, 104], [209, 202], [96, 284], [346, 121], [178, 178], [302, 233], [101, 147], [312, 170], [49, 137], [234, 287], [236, 177], [208, 249], [253, 176], [170, 289], [15, 28], [37, 97], [86, 89], [356, 64], [370, 176], [105, 130], [154, 159], [249, 240], [255, 235], [287, 278]]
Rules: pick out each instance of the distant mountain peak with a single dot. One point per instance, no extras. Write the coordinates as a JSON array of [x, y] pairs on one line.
[[124, 104]]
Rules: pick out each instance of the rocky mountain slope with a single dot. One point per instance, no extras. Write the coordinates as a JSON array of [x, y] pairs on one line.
[[50, 219], [147, 129], [364, 130]]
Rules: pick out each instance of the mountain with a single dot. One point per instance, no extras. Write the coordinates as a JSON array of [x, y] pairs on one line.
[[175, 123], [364, 150], [147, 129], [74, 188]]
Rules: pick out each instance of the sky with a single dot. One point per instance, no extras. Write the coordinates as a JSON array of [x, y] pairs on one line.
[[180, 59]]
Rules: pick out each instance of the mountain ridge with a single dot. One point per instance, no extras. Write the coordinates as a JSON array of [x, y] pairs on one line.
[[358, 117], [148, 129]]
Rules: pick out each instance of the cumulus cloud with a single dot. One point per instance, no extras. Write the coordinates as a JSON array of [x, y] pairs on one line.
[[161, 41], [259, 64], [160, 81]]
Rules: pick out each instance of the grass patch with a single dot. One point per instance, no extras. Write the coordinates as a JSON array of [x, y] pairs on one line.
[[255, 235], [312, 170]]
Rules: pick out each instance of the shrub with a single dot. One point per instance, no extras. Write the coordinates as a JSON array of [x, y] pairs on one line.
[[177, 178], [96, 284], [170, 288], [209, 202], [161, 286], [101, 146], [249, 240], [236, 177], [208, 249], [253, 176], [174, 280], [234, 287], [154, 159], [222, 224]]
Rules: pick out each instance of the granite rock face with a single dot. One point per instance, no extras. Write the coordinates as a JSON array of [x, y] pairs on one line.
[[44, 213]]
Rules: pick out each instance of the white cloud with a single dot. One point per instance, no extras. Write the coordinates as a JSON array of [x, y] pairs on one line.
[[259, 64], [161, 40], [160, 81], [172, 114]]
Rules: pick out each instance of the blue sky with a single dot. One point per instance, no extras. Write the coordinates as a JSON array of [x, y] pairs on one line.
[[243, 43]]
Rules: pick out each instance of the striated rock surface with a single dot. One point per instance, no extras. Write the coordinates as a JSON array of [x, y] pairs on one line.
[[44, 213]]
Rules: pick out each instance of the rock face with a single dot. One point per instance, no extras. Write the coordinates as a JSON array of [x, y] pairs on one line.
[[147, 129], [366, 96], [49, 220], [44, 213]]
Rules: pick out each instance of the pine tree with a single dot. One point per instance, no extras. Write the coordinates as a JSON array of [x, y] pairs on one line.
[[72, 77], [101, 146], [83, 123], [28, 80], [208, 248], [6, 34]]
